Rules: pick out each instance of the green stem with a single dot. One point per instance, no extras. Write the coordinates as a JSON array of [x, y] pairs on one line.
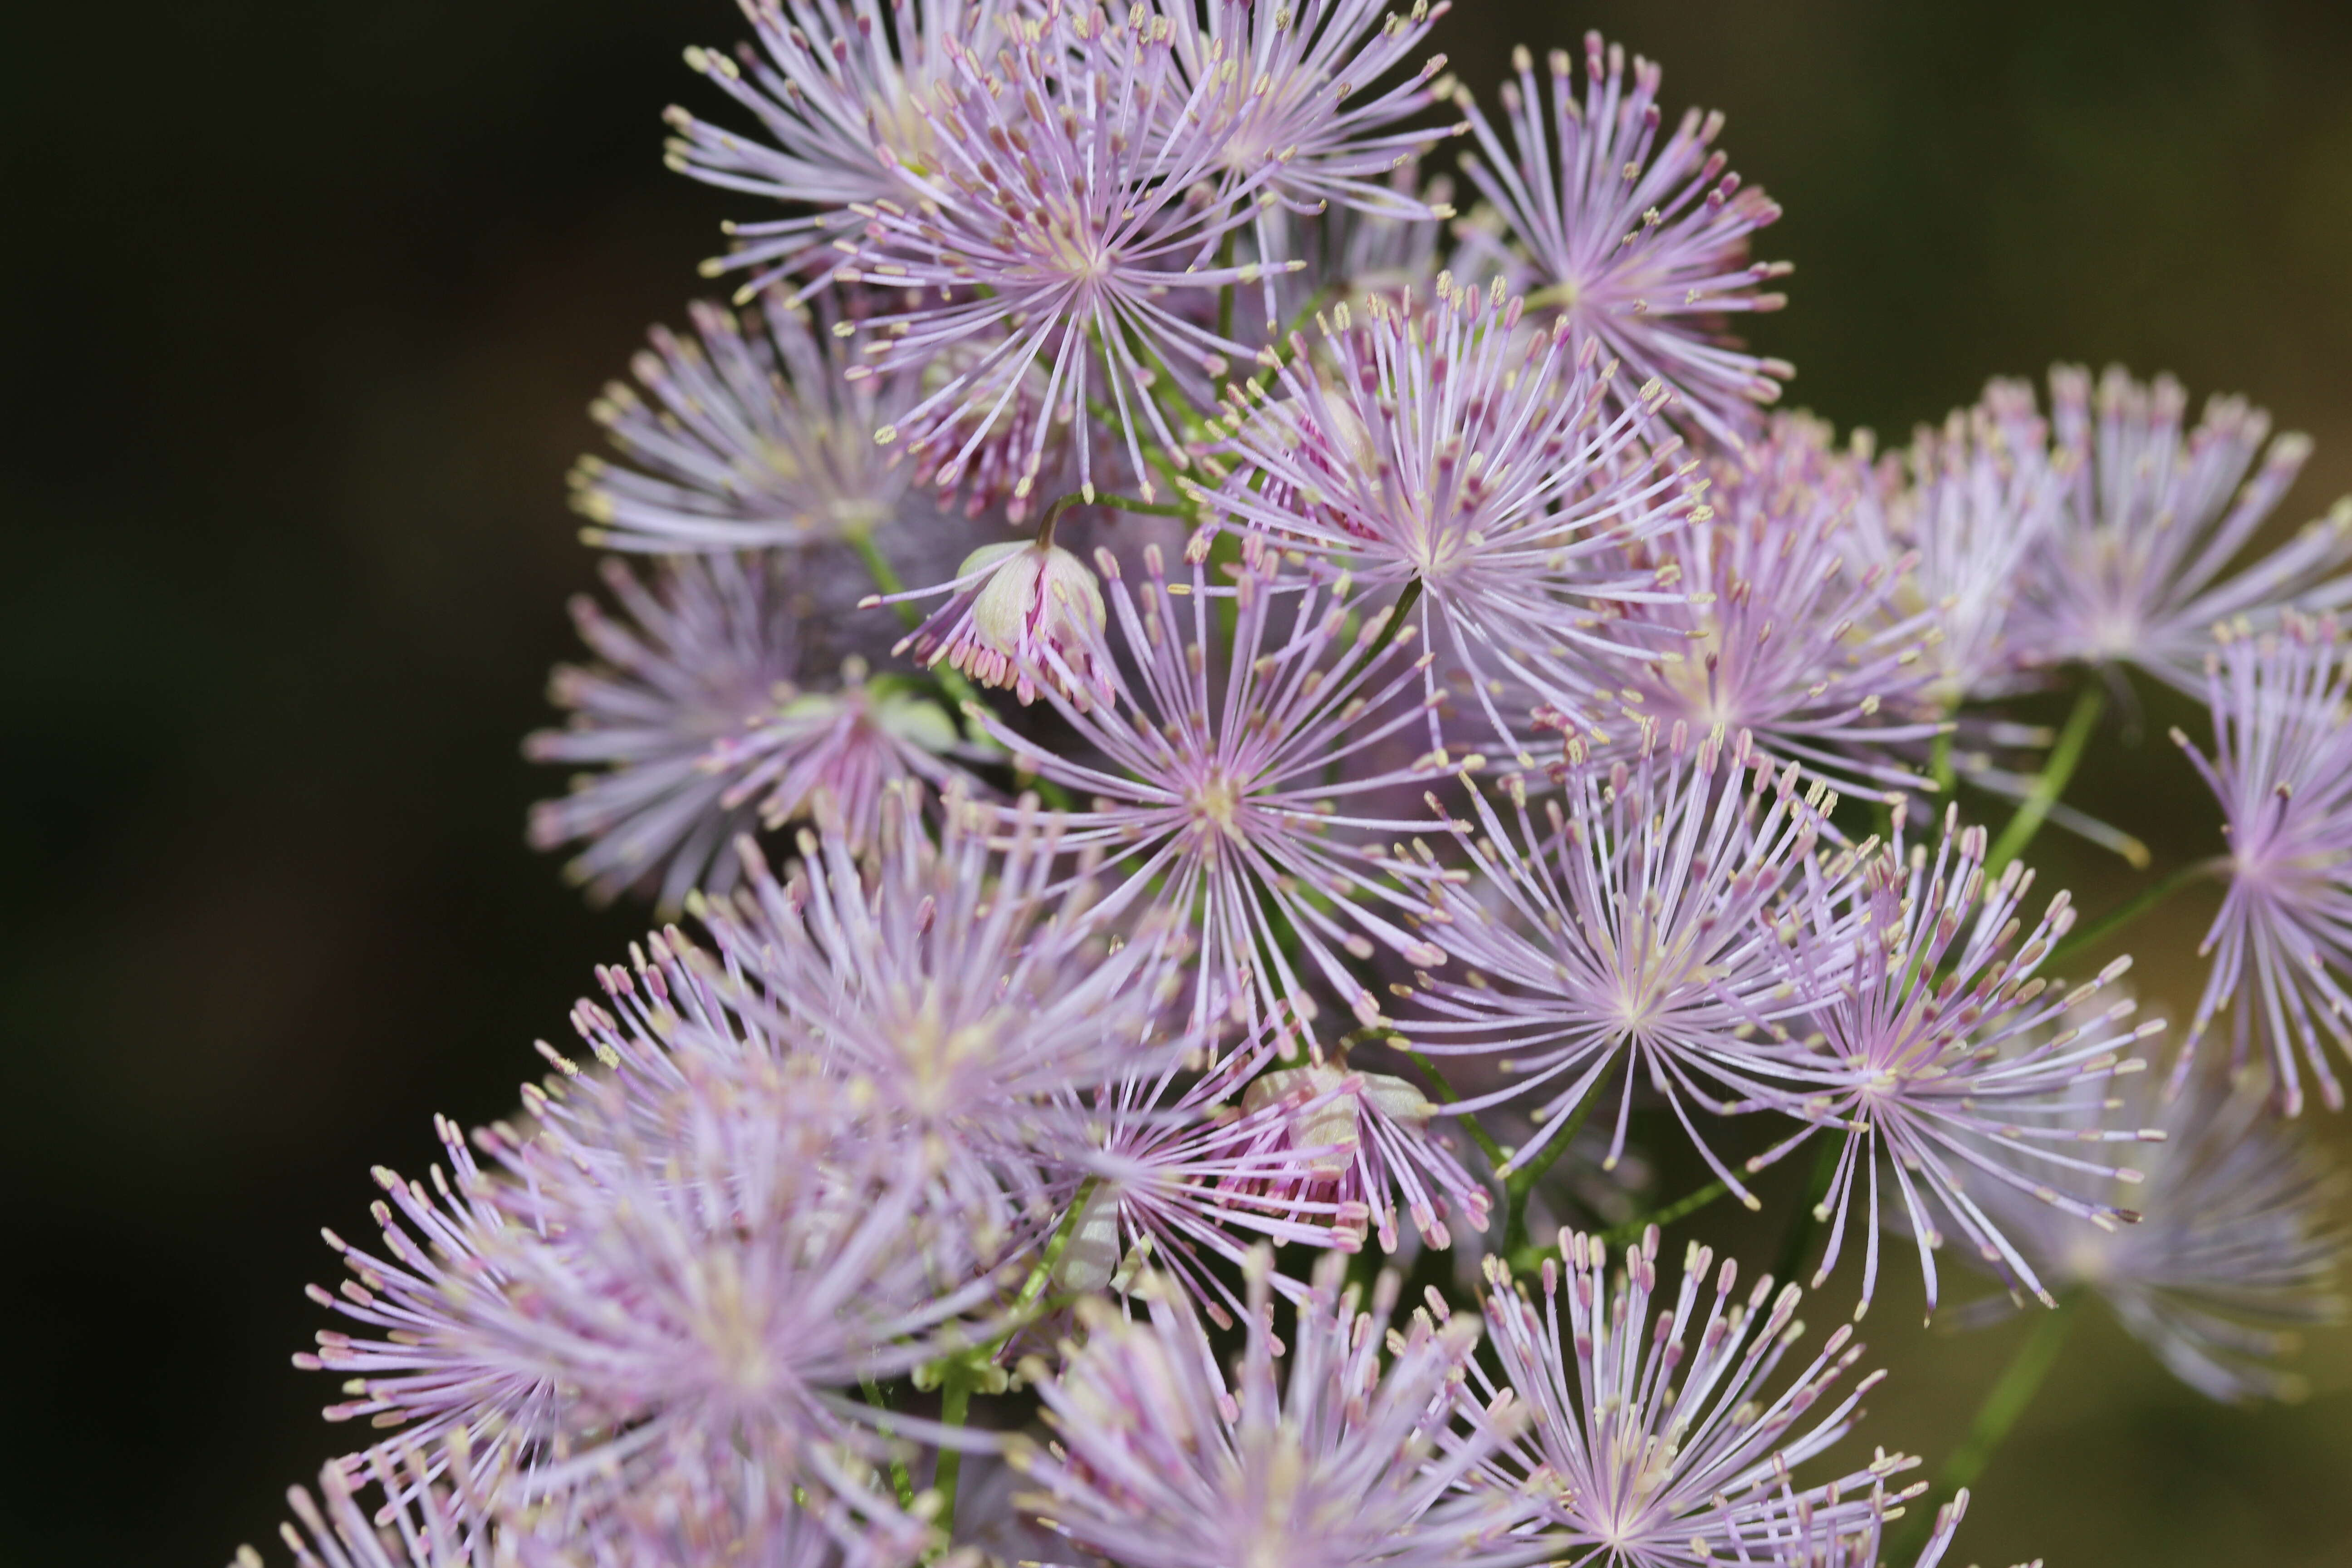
[[958, 1378], [1389, 631], [1632, 1229], [886, 580], [1394, 624], [1442, 1089], [1939, 762], [1035, 1286], [1062, 503], [885, 576], [901, 1481], [1806, 1223], [2011, 1394], [955, 1409], [1521, 1182], [2055, 774], [2083, 938]]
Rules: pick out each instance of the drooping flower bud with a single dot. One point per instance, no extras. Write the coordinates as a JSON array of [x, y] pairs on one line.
[[1021, 616]]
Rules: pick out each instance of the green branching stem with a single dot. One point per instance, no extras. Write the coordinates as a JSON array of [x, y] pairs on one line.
[[886, 581], [1035, 1286], [1399, 613], [1438, 1087], [901, 1481], [2083, 938], [955, 1409], [1631, 1231], [964, 1373], [1522, 1182], [2055, 775], [2008, 1399], [1107, 503]]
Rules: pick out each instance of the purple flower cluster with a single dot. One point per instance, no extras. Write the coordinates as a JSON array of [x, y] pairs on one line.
[[1400, 695]]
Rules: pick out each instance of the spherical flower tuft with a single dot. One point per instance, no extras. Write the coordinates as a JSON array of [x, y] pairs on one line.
[[1071, 200], [1449, 447], [1223, 787], [751, 439], [1348, 1463], [791, 1169], [967, 991], [1656, 1444], [1939, 1053], [1628, 926], [1781, 636], [2238, 1250], [684, 1269], [838, 92], [1642, 246], [2137, 570], [1967, 508], [701, 736], [710, 644], [1298, 88], [2281, 768]]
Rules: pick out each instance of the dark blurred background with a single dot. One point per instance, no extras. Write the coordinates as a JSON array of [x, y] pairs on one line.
[[304, 305]]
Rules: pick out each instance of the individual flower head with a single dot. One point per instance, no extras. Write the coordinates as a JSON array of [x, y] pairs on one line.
[[2156, 514], [1347, 1463], [746, 437], [702, 1277], [967, 991], [706, 646], [1224, 784], [839, 94], [1298, 88], [2281, 768], [2239, 1250], [686, 1252], [1075, 193], [1938, 1053], [1781, 636], [1624, 925], [1626, 932], [702, 736], [1969, 508], [1656, 1442], [1448, 446], [1643, 247], [848, 747], [1018, 615]]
